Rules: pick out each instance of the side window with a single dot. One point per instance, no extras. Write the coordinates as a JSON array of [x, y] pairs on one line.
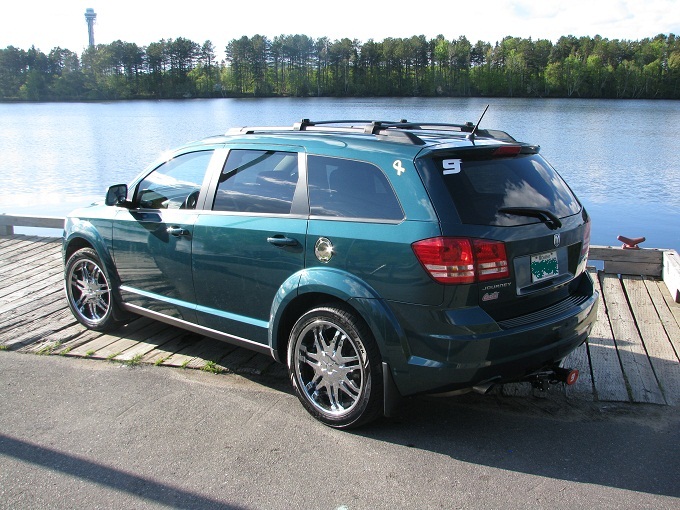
[[175, 184], [257, 181], [350, 189]]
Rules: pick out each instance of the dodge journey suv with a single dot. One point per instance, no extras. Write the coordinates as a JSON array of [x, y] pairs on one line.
[[375, 259]]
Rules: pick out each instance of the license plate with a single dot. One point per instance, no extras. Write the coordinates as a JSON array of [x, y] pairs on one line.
[[544, 266]]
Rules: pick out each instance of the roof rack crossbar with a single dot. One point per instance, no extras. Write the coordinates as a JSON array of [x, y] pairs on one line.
[[402, 129]]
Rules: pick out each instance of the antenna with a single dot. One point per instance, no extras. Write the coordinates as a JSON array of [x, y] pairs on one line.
[[90, 17], [471, 136]]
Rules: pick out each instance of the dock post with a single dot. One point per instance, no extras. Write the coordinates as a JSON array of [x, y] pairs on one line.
[[671, 273]]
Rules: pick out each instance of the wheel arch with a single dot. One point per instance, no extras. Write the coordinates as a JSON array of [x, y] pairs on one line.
[[325, 287], [75, 244], [82, 234]]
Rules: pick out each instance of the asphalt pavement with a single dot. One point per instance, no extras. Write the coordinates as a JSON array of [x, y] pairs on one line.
[[78, 433]]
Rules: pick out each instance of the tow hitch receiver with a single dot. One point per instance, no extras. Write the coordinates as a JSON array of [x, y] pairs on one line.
[[541, 380]]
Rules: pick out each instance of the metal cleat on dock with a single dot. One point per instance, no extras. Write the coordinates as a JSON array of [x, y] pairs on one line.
[[631, 243]]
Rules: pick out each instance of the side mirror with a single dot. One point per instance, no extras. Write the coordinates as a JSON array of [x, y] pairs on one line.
[[116, 194]]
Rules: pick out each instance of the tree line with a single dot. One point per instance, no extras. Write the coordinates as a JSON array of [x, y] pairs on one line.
[[297, 65]]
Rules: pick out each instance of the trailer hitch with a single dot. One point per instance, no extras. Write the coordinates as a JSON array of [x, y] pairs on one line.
[[542, 379]]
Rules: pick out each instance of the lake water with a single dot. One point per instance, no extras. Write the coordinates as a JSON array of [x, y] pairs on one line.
[[622, 158]]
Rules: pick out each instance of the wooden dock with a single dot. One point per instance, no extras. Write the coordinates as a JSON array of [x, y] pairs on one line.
[[631, 356]]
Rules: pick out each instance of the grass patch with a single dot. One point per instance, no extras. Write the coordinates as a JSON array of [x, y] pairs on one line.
[[4, 347], [212, 367], [65, 351], [90, 353], [160, 361], [134, 361], [111, 357], [48, 349], [185, 363]]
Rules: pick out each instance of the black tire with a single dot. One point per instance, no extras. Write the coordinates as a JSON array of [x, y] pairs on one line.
[[89, 291], [334, 366]]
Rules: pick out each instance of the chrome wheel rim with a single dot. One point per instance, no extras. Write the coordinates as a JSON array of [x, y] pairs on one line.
[[329, 368], [89, 291]]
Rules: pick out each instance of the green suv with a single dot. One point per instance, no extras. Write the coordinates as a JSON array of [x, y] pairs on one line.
[[375, 259]]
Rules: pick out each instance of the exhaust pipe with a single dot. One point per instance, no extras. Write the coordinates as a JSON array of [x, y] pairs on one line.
[[483, 388]]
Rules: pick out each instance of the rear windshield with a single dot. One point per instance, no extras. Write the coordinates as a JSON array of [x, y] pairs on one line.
[[481, 188]]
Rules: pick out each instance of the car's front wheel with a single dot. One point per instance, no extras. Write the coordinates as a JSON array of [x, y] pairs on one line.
[[88, 291], [334, 366]]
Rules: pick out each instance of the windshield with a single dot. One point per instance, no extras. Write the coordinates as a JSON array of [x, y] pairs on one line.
[[506, 191]]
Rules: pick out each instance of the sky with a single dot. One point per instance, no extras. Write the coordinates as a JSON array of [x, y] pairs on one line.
[[47, 24]]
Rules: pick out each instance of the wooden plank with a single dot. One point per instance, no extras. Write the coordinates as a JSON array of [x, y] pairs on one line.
[[6, 242], [90, 348], [16, 240], [44, 320], [25, 260], [31, 260], [672, 305], [11, 305], [608, 381], [637, 262], [618, 254], [35, 281], [276, 370], [72, 337], [633, 268], [214, 351], [668, 311], [163, 352], [115, 349], [15, 339], [34, 262], [637, 369], [190, 352], [520, 389], [657, 344], [257, 365], [33, 311], [153, 342], [23, 242], [36, 254], [21, 298], [236, 358], [14, 251]]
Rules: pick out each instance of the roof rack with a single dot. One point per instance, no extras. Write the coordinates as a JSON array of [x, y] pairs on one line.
[[402, 130]]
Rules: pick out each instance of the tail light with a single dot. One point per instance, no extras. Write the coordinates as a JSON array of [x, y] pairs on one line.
[[492, 262], [507, 150], [460, 260]]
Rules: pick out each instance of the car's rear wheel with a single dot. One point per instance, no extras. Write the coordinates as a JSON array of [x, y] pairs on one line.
[[89, 292], [334, 366]]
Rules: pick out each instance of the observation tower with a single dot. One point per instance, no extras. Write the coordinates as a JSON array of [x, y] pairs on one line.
[[90, 17]]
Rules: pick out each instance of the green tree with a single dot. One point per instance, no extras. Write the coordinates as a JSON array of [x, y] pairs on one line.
[[13, 70]]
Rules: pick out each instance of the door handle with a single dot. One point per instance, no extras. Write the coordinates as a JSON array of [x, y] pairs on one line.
[[177, 231], [282, 241]]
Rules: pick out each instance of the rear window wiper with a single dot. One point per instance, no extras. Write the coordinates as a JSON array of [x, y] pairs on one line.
[[544, 215]]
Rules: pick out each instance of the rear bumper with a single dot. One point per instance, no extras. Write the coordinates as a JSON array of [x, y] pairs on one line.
[[452, 350]]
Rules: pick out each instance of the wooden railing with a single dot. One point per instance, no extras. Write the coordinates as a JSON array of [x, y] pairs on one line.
[[9, 221], [664, 264], [658, 263]]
